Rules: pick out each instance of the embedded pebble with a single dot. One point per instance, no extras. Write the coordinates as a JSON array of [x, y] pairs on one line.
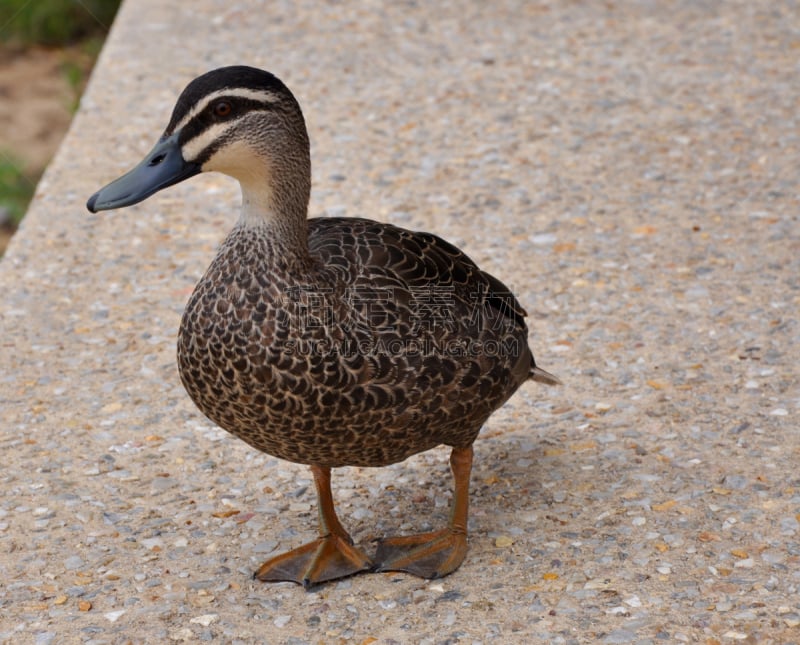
[[619, 636], [73, 562], [205, 620]]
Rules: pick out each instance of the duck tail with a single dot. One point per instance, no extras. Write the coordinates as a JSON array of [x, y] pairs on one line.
[[541, 376]]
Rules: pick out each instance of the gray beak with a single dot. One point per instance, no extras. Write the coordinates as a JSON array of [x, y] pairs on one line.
[[162, 167]]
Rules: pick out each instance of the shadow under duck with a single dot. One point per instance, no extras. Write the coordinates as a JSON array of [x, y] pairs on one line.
[[330, 341]]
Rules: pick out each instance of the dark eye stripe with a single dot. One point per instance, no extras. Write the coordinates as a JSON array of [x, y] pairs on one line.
[[186, 110], [205, 119], [238, 105]]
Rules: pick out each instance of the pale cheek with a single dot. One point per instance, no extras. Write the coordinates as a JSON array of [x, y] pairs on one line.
[[237, 160]]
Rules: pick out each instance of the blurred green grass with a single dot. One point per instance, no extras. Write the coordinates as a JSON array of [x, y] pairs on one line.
[[16, 189], [77, 26], [54, 23]]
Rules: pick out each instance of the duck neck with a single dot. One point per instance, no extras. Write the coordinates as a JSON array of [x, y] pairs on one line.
[[278, 204]]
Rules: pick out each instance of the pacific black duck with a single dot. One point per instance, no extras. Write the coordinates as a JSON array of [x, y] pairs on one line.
[[332, 341]]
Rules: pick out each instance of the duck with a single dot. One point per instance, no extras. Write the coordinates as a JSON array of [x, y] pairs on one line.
[[329, 341]]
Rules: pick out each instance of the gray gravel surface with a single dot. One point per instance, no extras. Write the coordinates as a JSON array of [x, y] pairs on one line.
[[631, 168]]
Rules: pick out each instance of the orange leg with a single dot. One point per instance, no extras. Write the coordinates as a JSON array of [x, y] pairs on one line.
[[329, 557], [438, 553]]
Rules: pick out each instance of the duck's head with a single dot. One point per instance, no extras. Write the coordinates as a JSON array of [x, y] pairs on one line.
[[240, 121]]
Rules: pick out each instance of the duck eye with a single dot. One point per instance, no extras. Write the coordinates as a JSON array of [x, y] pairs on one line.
[[222, 109]]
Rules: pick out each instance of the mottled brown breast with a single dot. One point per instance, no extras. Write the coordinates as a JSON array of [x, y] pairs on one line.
[[385, 344]]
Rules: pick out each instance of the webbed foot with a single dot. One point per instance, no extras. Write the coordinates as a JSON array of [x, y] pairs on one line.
[[326, 558], [428, 555]]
